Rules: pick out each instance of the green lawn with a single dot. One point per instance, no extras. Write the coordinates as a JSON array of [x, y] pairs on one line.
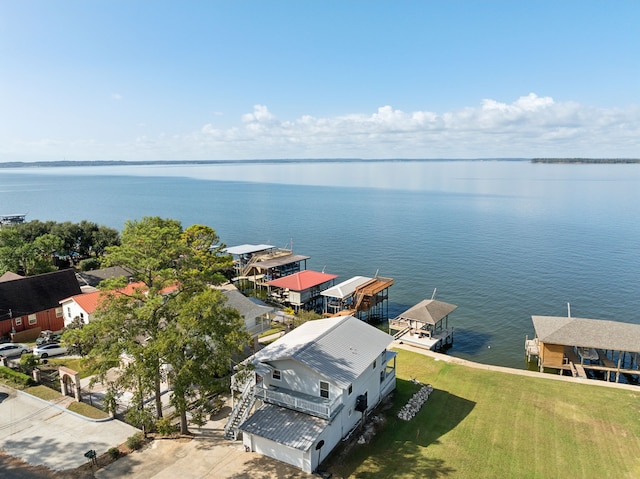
[[488, 424]]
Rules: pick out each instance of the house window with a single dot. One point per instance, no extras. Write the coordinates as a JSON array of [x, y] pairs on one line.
[[58, 312], [18, 321], [82, 316], [68, 312], [33, 319], [276, 374], [350, 388], [324, 389], [375, 362]]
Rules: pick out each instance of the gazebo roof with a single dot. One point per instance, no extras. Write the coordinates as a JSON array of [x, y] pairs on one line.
[[428, 311], [588, 333]]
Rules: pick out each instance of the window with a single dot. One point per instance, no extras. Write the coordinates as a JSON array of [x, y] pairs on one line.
[[68, 312], [350, 388], [276, 374], [324, 389], [33, 319], [18, 321], [375, 363], [82, 316], [58, 312]]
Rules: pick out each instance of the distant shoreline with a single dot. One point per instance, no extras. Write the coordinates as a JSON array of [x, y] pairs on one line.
[[84, 163], [586, 161], [68, 163]]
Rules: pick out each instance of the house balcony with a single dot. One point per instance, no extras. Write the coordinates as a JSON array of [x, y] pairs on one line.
[[305, 403]]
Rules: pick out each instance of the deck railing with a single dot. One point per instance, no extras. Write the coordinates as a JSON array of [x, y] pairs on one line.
[[292, 400]]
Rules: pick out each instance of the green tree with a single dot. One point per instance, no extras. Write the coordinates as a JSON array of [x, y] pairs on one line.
[[198, 344], [153, 324]]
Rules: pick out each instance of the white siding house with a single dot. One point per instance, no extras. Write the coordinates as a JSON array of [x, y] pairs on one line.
[[312, 387], [80, 306]]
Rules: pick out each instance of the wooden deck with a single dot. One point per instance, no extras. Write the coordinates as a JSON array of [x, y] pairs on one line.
[[434, 342]]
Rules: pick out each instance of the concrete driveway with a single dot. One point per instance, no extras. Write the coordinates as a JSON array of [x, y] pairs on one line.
[[207, 456], [40, 433]]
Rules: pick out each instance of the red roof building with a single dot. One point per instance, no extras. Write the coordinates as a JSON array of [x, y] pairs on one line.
[[301, 290]]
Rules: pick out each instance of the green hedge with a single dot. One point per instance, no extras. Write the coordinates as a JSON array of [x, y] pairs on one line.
[[15, 377]]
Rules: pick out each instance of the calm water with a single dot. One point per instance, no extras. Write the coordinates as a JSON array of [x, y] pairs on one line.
[[503, 240]]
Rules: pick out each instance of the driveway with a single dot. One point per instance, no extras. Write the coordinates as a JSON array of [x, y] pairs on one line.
[[41, 433], [207, 456]]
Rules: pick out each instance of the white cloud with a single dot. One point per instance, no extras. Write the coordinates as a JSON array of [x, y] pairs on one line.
[[530, 126], [116, 96]]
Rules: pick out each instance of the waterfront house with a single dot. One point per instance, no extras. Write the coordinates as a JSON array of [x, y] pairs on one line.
[[311, 388], [263, 262], [300, 290], [579, 345], [365, 298], [33, 302]]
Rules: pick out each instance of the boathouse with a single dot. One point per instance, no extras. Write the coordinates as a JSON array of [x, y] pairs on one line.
[[362, 297], [300, 290], [424, 325], [260, 264], [579, 346]]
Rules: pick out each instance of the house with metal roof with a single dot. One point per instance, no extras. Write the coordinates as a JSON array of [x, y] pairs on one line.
[[578, 345], [300, 290], [263, 262], [365, 298], [311, 388]]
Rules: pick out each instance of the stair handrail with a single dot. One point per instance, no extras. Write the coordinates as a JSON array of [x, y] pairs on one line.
[[248, 389]]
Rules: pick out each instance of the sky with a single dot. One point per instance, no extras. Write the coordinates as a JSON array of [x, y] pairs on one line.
[[209, 80]]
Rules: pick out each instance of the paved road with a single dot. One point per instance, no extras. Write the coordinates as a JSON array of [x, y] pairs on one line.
[[42, 434]]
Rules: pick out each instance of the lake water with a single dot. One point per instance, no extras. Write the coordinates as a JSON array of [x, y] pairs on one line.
[[503, 240]]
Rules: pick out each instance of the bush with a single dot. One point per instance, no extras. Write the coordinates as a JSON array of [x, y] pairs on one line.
[[15, 377], [89, 264], [135, 442], [29, 361], [164, 426], [114, 452]]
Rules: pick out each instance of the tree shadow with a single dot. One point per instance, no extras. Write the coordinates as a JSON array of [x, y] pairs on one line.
[[403, 445]]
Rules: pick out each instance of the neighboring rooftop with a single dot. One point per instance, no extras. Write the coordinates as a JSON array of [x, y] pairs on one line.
[[94, 277], [588, 333], [247, 249], [428, 311], [346, 288], [302, 280]]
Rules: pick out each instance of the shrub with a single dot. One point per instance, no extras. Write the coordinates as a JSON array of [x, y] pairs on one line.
[[114, 452], [164, 426], [135, 442], [29, 361], [15, 377]]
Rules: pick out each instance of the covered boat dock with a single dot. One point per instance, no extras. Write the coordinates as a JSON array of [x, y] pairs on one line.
[[424, 325], [586, 347]]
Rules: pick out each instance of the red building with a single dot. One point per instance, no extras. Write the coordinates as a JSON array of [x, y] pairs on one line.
[[34, 301]]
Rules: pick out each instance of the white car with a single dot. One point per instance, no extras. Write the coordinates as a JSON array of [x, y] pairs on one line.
[[10, 350], [50, 349]]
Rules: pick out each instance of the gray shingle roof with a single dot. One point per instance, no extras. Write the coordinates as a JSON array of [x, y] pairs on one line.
[[588, 333], [291, 428], [428, 311], [339, 349]]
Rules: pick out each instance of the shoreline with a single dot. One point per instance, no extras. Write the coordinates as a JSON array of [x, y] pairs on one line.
[[503, 369]]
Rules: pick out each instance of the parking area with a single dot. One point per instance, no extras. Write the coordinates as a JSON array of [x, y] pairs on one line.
[[40, 433]]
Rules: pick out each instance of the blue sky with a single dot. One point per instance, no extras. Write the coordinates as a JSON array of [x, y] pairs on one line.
[[144, 80]]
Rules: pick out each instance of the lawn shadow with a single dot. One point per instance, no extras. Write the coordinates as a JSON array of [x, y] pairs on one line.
[[402, 447]]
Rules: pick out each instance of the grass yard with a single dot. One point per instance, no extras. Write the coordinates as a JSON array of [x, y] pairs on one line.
[[489, 424]]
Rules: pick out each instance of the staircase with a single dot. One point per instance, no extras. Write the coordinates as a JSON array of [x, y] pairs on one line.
[[240, 412]]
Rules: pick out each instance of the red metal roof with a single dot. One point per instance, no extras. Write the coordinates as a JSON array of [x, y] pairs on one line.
[[303, 280], [89, 301]]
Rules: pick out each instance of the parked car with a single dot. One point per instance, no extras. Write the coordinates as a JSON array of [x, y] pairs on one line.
[[48, 336], [50, 349], [10, 350]]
